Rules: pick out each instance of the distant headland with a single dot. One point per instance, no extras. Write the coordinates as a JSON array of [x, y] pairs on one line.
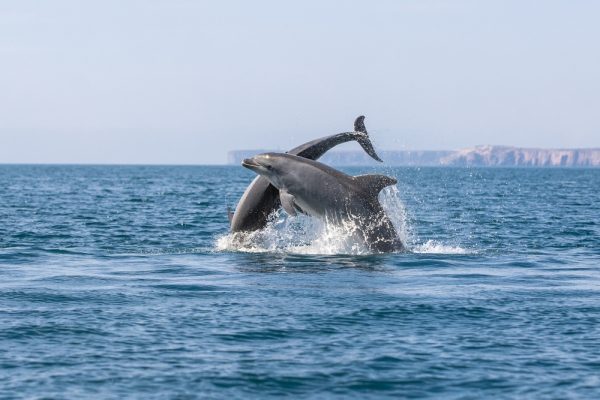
[[478, 156]]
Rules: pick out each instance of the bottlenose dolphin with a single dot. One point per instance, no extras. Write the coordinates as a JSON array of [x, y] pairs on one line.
[[260, 198], [313, 188]]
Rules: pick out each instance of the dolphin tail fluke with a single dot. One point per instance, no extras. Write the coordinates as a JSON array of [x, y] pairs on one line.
[[363, 138], [367, 146], [359, 124]]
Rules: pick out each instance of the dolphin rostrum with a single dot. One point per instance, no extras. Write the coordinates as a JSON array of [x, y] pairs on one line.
[[260, 198], [313, 188]]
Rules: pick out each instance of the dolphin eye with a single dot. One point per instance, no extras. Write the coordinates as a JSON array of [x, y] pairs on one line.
[[269, 167]]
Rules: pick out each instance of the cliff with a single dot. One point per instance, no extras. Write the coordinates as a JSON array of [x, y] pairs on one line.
[[481, 156], [517, 157]]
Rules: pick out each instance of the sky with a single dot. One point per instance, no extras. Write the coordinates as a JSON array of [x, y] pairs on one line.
[[183, 82]]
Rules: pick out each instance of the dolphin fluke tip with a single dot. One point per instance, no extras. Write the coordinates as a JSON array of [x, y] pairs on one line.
[[367, 146], [359, 124]]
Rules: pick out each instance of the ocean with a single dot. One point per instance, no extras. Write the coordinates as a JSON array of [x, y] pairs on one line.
[[122, 282]]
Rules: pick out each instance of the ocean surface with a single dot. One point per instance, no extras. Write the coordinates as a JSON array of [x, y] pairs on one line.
[[122, 282]]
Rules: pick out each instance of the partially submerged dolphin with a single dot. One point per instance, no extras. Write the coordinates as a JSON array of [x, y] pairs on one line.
[[316, 189], [260, 198]]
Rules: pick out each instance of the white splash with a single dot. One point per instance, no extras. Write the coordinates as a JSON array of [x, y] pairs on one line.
[[394, 208], [433, 247], [306, 235], [297, 235]]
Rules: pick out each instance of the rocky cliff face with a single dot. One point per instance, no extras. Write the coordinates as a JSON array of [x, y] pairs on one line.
[[514, 156], [483, 156]]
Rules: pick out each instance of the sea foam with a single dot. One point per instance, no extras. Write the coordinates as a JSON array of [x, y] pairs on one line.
[[307, 235]]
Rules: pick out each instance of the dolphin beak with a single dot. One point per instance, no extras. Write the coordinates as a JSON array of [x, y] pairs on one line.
[[250, 163]]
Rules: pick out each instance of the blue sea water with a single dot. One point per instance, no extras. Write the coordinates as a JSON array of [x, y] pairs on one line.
[[121, 282]]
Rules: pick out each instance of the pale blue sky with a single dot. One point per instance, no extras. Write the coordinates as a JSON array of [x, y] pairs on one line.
[[185, 81]]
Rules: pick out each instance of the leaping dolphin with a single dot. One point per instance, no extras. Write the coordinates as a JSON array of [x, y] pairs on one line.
[[313, 188], [260, 198]]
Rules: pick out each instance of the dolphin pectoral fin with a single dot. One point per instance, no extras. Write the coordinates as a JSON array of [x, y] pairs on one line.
[[287, 202], [374, 183]]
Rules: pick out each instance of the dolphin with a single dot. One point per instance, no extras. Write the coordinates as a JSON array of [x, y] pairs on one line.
[[260, 198], [313, 188]]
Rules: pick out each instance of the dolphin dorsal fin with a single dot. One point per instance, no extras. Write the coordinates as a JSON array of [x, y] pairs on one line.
[[374, 183]]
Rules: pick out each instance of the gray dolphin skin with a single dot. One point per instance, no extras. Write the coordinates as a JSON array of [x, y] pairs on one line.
[[260, 198], [313, 188]]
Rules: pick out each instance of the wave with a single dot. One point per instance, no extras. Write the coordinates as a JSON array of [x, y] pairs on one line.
[[433, 247]]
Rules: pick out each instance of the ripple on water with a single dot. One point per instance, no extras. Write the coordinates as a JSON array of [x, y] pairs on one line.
[[121, 282]]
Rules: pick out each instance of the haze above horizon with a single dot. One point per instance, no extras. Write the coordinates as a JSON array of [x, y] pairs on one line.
[[157, 82]]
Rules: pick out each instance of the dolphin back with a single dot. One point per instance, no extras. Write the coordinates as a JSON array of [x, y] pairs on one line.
[[258, 201]]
